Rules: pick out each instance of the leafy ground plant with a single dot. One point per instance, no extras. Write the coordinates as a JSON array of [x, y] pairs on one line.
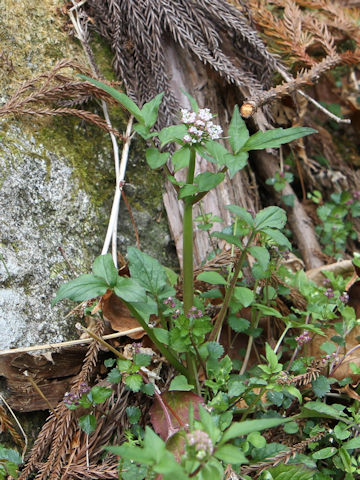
[[214, 420]]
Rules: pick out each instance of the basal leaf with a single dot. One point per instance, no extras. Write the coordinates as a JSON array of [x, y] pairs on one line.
[[147, 271], [238, 132], [150, 110], [156, 159], [104, 268], [270, 217], [275, 138], [134, 382], [129, 290], [82, 288], [123, 99]]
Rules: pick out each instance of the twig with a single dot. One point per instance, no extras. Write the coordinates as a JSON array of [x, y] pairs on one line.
[[18, 424], [53, 346], [37, 388]]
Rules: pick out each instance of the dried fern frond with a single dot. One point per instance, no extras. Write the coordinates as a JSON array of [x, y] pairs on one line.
[[309, 376], [6, 425], [212, 30], [282, 457], [54, 87], [55, 438]]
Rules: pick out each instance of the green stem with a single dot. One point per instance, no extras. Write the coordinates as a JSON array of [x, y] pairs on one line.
[[163, 350], [230, 290], [188, 265]]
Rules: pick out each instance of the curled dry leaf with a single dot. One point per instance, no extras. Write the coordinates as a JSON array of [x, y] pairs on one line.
[[118, 315]]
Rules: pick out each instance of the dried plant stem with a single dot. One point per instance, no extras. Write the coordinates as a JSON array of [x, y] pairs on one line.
[[18, 424], [120, 168], [39, 391], [119, 185], [70, 343]]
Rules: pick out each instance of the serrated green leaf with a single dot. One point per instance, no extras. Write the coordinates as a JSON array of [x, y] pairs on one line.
[[208, 180], [147, 271], [150, 110], [239, 429], [142, 359], [104, 268], [243, 295], [278, 237], [238, 324], [155, 159], [172, 134], [114, 376], [215, 349], [180, 383], [123, 365], [270, 217], [134, 382], [88, 423], [181, 158], [123, 99], [129, 290], [238, 132], [275, 138], [236, 388], [231, 455], [82, 288], [100, 394], [321, 386], [291, 428], [148, 389], [133, 413], [212, 277], [262, 255], [241, 213], [294, 392]]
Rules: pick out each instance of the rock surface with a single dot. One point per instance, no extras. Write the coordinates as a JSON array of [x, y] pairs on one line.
[[56, 186]]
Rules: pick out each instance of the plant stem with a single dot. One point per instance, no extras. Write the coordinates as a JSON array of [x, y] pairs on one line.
[[163, 350], [188, 265], [230, 289]]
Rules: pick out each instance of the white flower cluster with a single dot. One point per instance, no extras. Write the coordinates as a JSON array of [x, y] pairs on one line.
[[200, 126]]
